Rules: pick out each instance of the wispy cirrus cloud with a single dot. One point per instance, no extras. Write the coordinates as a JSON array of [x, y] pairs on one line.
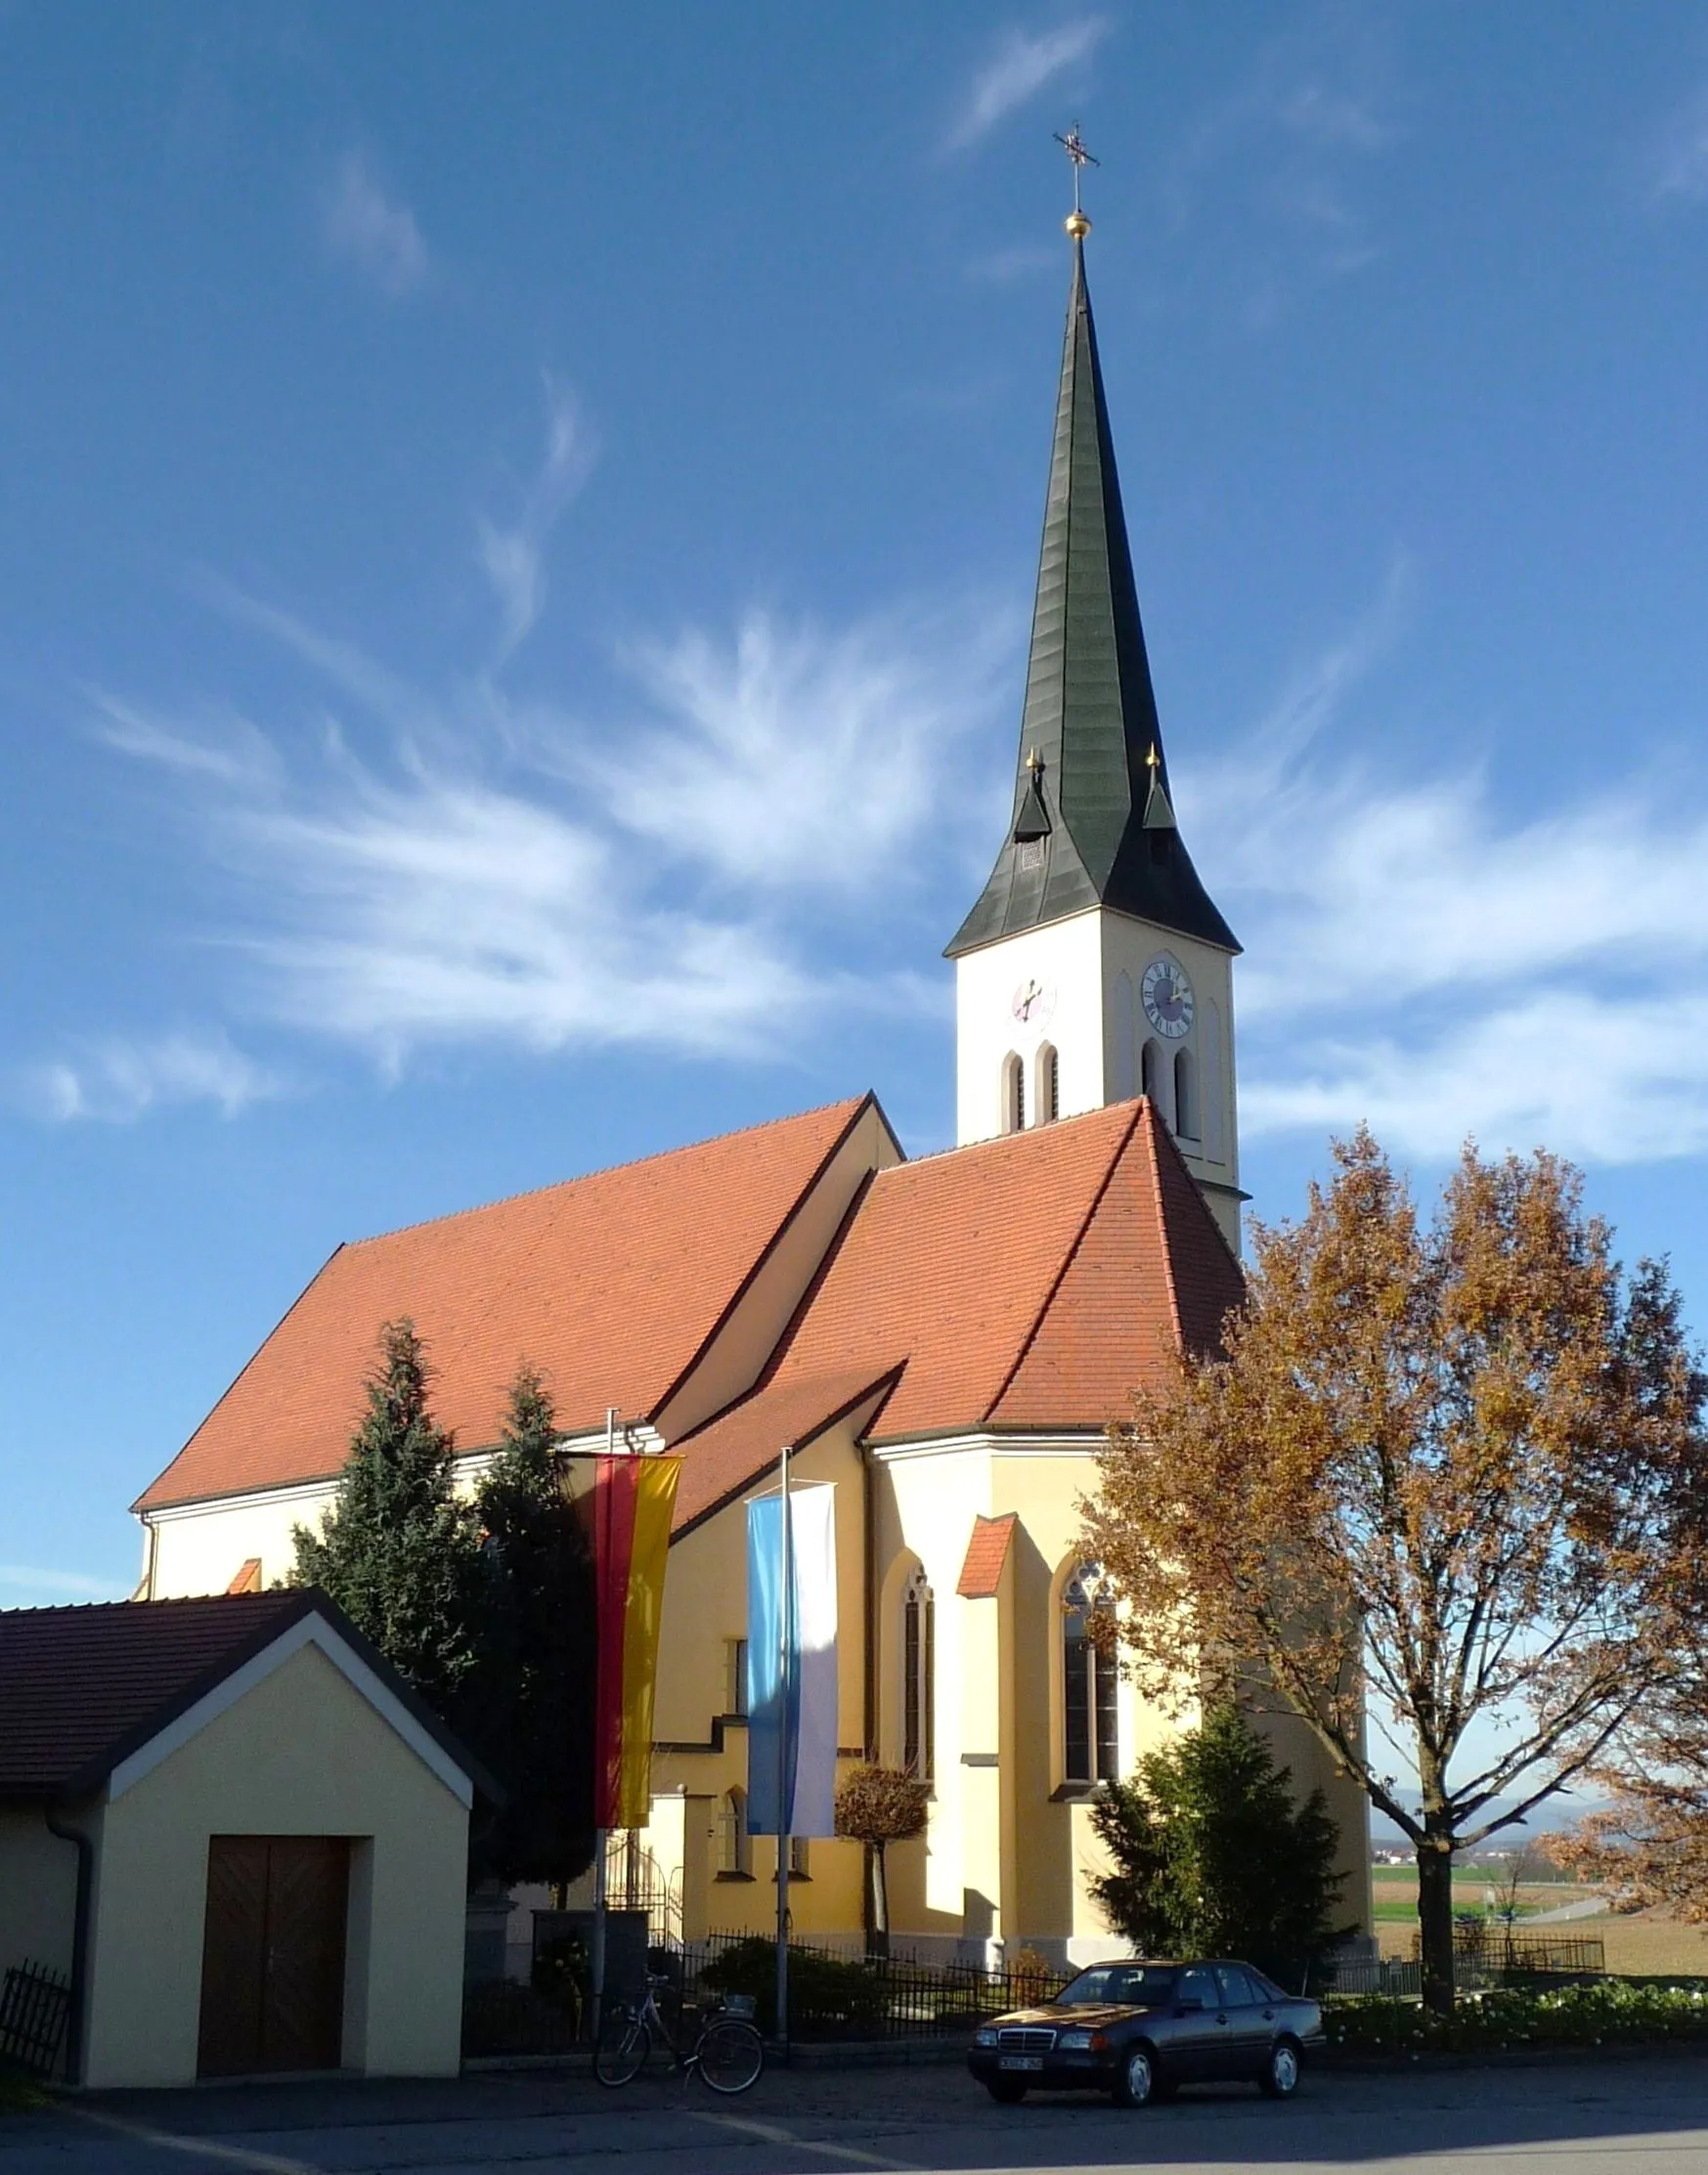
[[513, 552], [116, 1079], [40, 1586], [444, 871], [1017, 69], [1437, 968], [1275, 162], [1678, 161], [366, 229], [888, 702]]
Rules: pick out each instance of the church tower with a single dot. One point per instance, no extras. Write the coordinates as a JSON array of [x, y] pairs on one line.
[[1094, 966]]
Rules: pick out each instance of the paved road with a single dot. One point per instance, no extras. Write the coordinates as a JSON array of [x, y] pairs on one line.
[[1629, 2118]]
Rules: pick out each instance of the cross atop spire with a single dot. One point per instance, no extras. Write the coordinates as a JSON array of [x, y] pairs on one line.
[[1093, 822], [1074, 143]]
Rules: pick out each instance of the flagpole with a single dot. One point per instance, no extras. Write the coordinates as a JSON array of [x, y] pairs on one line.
[[601, 1782], [783, 1765]]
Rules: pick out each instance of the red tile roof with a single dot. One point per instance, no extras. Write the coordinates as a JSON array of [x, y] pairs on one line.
[[731, 1451], [82, 1689], [1025, 1283], [986, 1553], [246, 1578], [76, 1685], [609, 1284]]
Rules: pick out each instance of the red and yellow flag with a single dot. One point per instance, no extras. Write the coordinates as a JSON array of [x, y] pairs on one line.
[[629, 1513]]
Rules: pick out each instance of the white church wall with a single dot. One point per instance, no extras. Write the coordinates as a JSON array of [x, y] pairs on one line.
[[1064, 957], [200, 1548]]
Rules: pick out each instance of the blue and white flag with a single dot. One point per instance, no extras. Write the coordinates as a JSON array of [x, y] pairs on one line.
[[791, 1749]]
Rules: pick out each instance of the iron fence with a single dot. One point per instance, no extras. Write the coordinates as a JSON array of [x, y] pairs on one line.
[[853, 1997], [35, 2007]]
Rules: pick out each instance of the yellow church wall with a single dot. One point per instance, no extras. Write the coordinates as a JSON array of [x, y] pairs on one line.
[[301, 1753], [705, 1611]]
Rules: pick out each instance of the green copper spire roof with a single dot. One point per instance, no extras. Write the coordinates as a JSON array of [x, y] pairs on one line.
[[1092, 765]]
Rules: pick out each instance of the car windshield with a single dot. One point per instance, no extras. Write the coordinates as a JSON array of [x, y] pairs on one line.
[[1135, 1983]]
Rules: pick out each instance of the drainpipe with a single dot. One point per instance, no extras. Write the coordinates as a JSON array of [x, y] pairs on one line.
[[86, 1849]]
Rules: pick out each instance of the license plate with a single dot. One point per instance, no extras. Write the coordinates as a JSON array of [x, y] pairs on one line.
[[1019, 2061]]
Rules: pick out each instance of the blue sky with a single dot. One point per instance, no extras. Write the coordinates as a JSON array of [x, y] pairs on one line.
[[518, 537]]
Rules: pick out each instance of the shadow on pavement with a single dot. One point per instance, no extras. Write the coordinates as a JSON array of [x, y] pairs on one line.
[[1651, 2114]]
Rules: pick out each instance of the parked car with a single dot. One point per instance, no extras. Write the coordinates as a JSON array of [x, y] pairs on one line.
[[1139, 2030]]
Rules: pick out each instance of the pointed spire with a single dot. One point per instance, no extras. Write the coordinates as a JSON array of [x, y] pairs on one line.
[[1101, 774]]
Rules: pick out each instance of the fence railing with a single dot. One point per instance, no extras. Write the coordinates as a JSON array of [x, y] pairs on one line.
[[1494, 1962], [35, 2007], [834, 1996]]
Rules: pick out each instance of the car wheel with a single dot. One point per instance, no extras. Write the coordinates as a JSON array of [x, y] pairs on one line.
[[1005, 2091], [1280, 2072], [1135, 2083]]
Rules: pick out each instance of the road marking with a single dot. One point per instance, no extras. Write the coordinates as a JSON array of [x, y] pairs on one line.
[[773, 2132], [204, 2148]]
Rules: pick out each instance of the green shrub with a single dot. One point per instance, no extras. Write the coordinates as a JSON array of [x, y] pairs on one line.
[[1608, 2012], [833, 1991], [563, 1974]]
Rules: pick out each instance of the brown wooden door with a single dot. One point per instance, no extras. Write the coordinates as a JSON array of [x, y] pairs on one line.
[[273, 1954]]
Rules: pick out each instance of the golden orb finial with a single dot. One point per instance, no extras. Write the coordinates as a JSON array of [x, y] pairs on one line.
[[1074, 143]]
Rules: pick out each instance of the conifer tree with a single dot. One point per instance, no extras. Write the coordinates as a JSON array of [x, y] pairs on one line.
[[532, 1709], [1212, 1857], [398, 1550]]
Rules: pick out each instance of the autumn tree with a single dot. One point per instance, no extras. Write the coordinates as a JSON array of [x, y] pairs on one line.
[[1648, 1844], [1211, 1856], [877, 1806], [1451, 1471]]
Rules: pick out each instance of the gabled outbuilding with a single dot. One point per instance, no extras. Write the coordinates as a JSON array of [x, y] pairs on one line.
[[237, 1833]]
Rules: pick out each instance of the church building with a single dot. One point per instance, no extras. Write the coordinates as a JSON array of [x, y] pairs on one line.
[[945, 1339]]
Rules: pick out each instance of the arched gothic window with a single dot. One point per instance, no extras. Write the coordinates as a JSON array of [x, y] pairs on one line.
[[1049, 1085], [918, 1678], [734, 1847], [1013, 1093], [1154, 1080], [1091, 1733], [1186, 1118]]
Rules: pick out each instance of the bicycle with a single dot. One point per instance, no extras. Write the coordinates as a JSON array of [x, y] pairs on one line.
[[727, 2050]]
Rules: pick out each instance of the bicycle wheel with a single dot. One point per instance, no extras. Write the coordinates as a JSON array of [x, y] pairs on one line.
[[624, 2046], [731, 2055]]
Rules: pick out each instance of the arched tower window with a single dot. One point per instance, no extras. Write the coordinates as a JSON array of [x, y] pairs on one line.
[[1156, 1081], [1091, 1730], [918, 1678], [1049, 1095], [1013, 1093], [734, 1846], [1186, 1117]]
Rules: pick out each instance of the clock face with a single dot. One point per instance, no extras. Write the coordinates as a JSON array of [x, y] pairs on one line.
[[1167, 998], [1032, 1003]]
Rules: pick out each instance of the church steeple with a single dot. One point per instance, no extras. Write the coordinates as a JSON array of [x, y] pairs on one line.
[[1095, 967], [1093, 821]]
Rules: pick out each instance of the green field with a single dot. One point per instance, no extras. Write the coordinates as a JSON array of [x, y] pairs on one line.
[[1395, 1892]]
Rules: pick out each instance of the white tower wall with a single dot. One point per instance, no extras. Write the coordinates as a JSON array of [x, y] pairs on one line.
[[1084, 977]]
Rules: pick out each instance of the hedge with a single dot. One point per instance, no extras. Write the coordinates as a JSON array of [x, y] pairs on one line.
[[1608, 2012]]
